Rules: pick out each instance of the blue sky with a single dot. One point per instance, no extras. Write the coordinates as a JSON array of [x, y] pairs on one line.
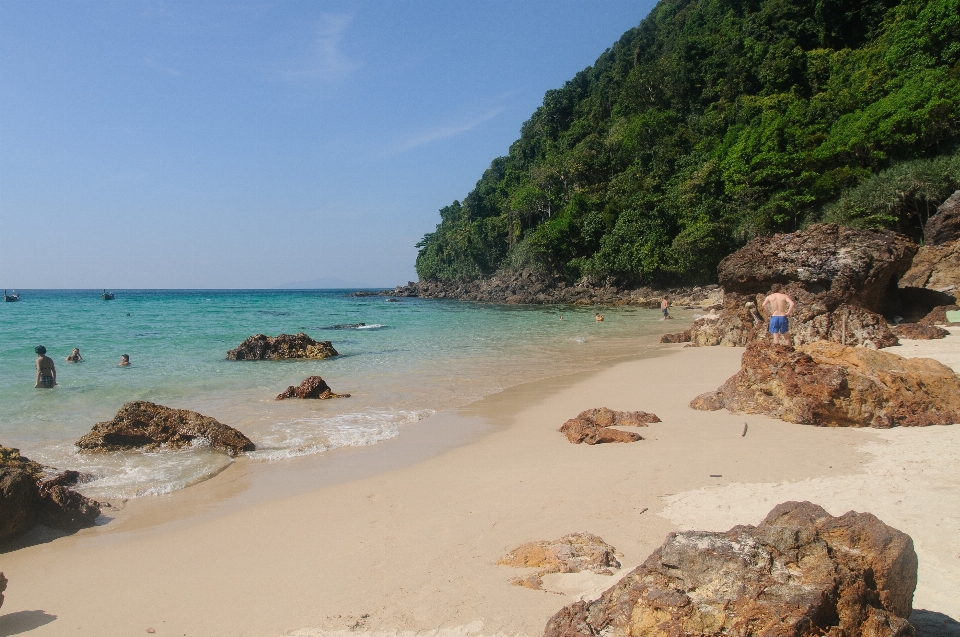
[[252, 144]]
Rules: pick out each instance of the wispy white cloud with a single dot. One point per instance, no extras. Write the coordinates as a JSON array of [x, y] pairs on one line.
[[446, 131], [324, 58], [162, 68]]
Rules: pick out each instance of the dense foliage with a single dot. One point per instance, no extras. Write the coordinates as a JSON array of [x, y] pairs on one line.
[[709, 123]]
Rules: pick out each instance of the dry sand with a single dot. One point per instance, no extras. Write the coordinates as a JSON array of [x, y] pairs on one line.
[[405, 545]]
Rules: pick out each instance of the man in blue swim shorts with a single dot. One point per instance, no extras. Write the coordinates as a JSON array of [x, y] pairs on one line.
[[781, 306]]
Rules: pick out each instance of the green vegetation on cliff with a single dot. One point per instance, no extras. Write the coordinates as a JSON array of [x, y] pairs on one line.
[[711, 122]]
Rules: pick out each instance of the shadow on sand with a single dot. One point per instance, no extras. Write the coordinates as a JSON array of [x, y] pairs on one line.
[[23, 620]]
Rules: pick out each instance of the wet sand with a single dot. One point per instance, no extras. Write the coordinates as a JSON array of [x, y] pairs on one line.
[[404, 536]]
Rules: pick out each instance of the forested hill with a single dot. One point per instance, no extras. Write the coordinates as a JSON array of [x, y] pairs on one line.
[[714, 121]]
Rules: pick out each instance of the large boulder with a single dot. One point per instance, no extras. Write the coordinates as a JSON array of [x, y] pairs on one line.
[[145, 426], [593, 426], [838, 264], [285, 346], [936, 269], [572, 553], [311, 387], [31, 493], [833, 385], [944, 226], [799, 573]]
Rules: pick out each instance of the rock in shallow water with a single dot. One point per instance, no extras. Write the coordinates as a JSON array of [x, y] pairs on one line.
[[29, 494], [312, 387], [831, 385], [800, 573], [145, 426], [284, 346]]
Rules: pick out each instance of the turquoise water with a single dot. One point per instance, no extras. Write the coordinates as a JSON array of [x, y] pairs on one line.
[[413, 358]]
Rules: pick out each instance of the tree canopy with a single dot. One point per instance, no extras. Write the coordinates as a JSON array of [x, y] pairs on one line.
[[709, 123]]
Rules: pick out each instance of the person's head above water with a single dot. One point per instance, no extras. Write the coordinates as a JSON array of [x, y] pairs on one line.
[[40, 350], [124, 359]]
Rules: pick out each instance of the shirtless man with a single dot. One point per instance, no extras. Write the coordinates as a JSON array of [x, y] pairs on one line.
[[664, 304], [781, 306]]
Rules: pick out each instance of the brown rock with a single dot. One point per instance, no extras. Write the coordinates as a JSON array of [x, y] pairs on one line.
[[29, 496], [312, 387], [944, 226], [570, 554], [936, 268], [149, 427], [285, 346], [919, 332], [839, 264], [799, 573], [938, 315], [593, 426], [831, 385], [680, 337], [3, 587]]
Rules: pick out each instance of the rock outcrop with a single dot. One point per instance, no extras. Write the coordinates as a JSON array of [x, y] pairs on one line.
[[831, 385], [919, 332], [801, 572], [31, 493], [944, 226], [593, 426], [938, 315], [145, 426], [570, 554], [285, 346], [311, 387], [936, 268]]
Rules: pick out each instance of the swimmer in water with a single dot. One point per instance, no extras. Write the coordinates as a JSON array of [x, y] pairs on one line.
[[46, 370], [75, 356], [599, 317], [124, 360], [664, 304]]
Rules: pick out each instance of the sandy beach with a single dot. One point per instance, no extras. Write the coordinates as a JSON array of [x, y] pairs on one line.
[[402, 538]]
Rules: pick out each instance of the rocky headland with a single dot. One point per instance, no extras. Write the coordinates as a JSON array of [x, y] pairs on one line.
[[145, 426], [800, 572], [33, 494], [260, 347]]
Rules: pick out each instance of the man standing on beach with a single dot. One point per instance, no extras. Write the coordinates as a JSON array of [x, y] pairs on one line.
[[781, 306]]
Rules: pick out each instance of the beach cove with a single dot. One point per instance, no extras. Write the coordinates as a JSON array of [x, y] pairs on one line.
[[396, 542]]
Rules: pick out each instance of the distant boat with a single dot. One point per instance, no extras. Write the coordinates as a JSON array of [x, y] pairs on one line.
[[10, 298], [107, 296]]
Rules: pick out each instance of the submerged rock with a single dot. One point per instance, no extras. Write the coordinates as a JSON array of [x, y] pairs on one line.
[[145, 426], [570, 554], [312, 387], [592, 426], [832, 385], [30, 494], [285, 346], [801, 572]]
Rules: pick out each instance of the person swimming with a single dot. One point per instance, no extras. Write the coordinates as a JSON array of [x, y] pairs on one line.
[[46, 370], [599, 317], [75, 356], [124, 360]]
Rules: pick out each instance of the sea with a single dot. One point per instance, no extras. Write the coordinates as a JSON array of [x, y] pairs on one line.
[[409, 359]]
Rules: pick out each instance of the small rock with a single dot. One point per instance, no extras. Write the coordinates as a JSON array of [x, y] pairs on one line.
[[917, 331], [570, 554], [593, 426], [282, 347], [312, 387]]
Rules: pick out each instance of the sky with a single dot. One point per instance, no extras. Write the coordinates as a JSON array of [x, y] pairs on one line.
[[243, 144]]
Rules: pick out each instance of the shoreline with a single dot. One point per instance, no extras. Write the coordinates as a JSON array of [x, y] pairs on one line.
[[414, 547]]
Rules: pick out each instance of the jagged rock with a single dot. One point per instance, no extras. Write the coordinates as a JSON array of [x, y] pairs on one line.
[[919, 332], [936, 268], [799, 573], [938, 315], [145, 426], [28, 494], [285, 346], [679, 337], [831, 385], [3, 587], [593, 426], [839, 265], [312, 387], [740, 323], [570, 554], [944, 226]]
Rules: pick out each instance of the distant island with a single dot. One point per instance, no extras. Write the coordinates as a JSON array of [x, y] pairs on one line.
[[712, 123]]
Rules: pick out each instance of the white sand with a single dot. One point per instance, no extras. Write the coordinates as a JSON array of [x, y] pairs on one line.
[[411, 550]]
